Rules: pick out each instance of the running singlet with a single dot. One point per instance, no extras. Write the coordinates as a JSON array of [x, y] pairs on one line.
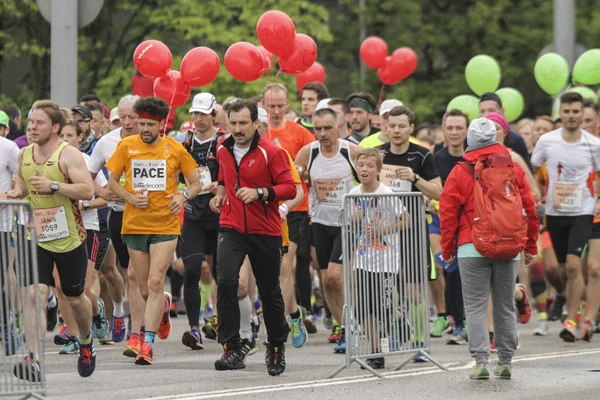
[[331, 178], [418, 158], [58, 223], [153, 168], [570, 168]]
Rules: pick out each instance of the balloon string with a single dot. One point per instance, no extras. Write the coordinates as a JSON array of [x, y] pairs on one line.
[[381, 93], [266, 106]]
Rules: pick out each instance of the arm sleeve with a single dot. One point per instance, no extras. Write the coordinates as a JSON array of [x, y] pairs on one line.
[[533, 222], [451, 202], [429, 172], [96, 161], [279, 168], [116, 164]]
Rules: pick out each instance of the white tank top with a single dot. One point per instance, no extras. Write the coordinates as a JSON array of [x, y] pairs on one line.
[[330, 179]]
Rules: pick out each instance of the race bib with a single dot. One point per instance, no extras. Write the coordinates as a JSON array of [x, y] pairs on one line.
[[205, 179], [330, 191], [387, 176], [51, 223], [567, 198], [149, 174]]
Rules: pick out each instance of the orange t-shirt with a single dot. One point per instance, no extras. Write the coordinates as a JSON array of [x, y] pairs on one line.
[[293, 137], [285, 233], [155, 168]]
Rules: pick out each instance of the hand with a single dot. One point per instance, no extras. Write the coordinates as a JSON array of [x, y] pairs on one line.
[[177, 201], [216, 204], [212, 187], [108, 194], [528, 258], [40, 182], [247, 195], [139, 199], [405, 173], [451, 260]]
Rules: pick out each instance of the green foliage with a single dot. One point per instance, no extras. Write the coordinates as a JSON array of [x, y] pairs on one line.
[[446, 34]]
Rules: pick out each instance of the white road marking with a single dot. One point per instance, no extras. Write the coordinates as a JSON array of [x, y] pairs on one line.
[[358, 378]]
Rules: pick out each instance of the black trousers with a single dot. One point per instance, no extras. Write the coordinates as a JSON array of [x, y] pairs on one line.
[[264, 253], [454, 297]]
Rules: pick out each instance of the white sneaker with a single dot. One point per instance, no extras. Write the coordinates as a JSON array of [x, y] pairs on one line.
[[542, 328]]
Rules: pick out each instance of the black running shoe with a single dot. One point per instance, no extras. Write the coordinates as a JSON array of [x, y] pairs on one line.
[[52, 317], [555, 311], [231, 359], [276, 364]]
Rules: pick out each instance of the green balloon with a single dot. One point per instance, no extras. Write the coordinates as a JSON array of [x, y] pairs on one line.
[[585, 92], [587, 68], [513, 103], [483, 74], [551, 73], [466, 103]]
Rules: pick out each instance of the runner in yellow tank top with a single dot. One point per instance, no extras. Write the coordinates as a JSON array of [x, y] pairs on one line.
[[151, 163], [54, 177]]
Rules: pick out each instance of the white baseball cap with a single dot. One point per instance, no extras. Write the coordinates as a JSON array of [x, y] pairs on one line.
[[387, 106], [204, 103], [323, 104], [263, 117], [114, 114]]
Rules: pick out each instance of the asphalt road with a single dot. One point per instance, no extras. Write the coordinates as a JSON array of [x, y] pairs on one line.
[[545, 368]]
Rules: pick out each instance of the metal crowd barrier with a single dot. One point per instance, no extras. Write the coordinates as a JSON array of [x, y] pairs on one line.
[[385, 279], [18, 267]]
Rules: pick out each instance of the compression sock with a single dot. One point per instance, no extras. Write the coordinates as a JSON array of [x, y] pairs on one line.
[[204, 295]]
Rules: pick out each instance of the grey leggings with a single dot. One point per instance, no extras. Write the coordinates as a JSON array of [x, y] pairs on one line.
[[479, 276]]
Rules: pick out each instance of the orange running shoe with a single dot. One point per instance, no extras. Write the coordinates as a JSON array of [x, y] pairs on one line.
[[165, 323], [568, 334], [134, 346], [145, 356]]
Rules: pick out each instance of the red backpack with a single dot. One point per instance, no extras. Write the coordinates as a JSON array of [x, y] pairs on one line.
[[499, 226]]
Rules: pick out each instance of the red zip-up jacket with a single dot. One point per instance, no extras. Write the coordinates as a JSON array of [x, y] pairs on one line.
[[458, 192], [264, 166]]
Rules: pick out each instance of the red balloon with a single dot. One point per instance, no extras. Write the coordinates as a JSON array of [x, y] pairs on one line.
[[200, 66], [152, 58], [390, 73], [172, 89], [244, 62], [407, 58], [303, 58], [373, 51], [276, 31], [316, 73], [267, 59]]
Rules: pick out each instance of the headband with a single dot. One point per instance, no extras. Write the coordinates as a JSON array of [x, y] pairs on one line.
[[147, 115], [358, 102]]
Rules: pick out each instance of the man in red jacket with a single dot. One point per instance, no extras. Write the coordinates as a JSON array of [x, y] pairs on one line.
[[481, 275], [254, 175]]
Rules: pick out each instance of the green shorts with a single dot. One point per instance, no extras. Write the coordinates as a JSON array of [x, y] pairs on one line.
[[143, 242]]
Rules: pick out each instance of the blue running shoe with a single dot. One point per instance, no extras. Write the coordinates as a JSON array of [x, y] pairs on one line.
[[341, 346], [99, 321], [86, 363], [118, 329], [70, 348], [298, 331], [12, 341]]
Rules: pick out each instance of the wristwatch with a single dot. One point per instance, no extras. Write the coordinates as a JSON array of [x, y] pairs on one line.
[[416, 178], [261, 193], [186, 194], [85, 204], [54, 186]]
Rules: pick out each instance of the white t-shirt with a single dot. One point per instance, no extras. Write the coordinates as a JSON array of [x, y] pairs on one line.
[[570, 167], [239, 153], [90, 216], [9, 166], [373, 253], [105, 148]]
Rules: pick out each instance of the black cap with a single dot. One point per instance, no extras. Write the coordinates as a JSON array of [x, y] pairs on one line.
[[84, 111], [490, 96]]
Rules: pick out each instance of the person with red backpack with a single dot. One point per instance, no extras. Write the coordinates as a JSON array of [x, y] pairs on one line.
[[488, 217]]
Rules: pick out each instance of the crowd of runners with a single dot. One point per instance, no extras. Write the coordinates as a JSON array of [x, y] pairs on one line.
[[241, 208]]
